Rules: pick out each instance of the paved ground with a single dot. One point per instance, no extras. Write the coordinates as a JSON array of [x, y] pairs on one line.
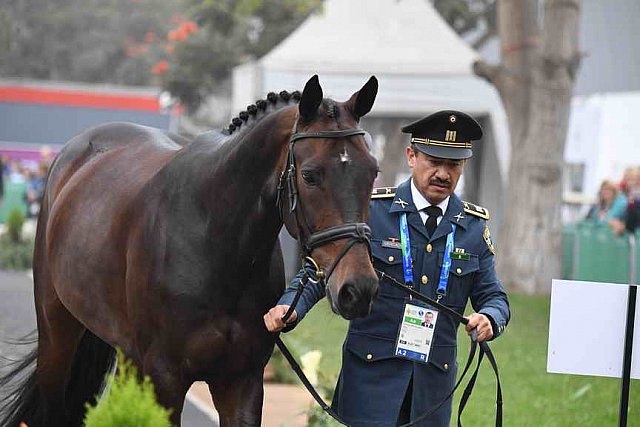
[[284, 405]]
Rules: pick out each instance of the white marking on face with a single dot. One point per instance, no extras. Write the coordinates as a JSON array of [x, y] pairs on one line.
[[344, 156]]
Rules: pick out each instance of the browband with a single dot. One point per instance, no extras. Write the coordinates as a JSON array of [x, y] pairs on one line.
[[327, 134]]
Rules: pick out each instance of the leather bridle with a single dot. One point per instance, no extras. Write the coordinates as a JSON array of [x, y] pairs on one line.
[[357, 232]]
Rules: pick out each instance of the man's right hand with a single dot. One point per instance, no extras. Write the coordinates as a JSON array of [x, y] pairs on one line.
[[273, 319]]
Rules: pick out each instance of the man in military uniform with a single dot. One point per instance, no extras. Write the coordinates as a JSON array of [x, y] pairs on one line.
[[376, 386]]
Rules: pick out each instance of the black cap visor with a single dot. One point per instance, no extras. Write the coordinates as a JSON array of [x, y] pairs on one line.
[[444, 152]]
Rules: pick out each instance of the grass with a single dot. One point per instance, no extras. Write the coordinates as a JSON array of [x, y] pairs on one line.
[[532, 397]]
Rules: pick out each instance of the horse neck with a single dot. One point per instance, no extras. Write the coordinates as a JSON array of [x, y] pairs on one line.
[[248, 173]]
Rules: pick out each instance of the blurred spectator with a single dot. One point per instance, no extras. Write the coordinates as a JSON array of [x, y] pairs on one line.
[[611, 205], [35, 189], [631, 218], [1, 179], [16, 174]]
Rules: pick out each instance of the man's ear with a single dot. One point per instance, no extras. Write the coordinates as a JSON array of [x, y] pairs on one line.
[[411, 156]]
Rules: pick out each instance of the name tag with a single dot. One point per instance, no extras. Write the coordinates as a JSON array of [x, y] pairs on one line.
[[416, 333], [392, 244]]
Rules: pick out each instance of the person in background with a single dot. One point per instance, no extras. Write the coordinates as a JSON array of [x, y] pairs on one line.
[[631, 216], [610, 206], [36, 181], [16, 173], [1, 178]]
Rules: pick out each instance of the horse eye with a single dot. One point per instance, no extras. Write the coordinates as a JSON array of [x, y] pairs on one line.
[[310, 178]]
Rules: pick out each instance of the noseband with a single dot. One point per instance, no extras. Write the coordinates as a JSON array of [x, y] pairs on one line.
[[358, 232]]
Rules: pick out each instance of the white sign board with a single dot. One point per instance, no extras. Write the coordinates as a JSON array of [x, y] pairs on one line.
[[587, 329]]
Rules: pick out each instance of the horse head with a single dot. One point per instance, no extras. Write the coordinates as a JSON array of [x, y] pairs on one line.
[[326, 189]]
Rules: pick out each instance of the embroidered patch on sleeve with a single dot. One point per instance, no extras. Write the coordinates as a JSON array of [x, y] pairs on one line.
[[487, 238]]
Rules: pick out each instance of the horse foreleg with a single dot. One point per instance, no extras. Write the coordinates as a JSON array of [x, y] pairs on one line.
[[239, 400], [169, 385]]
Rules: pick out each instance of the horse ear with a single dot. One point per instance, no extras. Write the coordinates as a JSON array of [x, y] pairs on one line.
[[311, 99], [362, 101]]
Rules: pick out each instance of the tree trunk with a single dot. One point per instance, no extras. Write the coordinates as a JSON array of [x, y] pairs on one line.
[[535, 81]]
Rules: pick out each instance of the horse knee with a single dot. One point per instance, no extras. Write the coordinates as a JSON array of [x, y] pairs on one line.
[[239, 400]]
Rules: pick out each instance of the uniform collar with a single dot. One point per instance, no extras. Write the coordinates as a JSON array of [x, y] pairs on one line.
[[403, 202], [454, 214], [420, 202]]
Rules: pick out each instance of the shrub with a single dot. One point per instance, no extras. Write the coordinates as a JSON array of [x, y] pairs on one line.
[[15, 221], [15, 255], [128, 402]]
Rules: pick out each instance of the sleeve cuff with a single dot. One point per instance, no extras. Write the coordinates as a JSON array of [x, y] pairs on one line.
[[497, 326]]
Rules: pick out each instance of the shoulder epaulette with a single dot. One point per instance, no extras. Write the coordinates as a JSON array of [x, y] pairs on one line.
[[476, 210], [384, 193]]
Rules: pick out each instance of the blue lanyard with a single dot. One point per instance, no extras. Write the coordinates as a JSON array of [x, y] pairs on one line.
[[446, 265], [407, 261]]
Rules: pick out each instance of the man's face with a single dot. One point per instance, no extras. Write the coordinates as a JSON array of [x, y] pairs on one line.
[[428, 318], [633, 180], [435, 178]]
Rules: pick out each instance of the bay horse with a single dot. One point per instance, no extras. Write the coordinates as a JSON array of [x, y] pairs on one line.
[[168, 249]]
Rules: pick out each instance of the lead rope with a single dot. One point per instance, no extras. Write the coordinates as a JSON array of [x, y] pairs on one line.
[[484, 350]]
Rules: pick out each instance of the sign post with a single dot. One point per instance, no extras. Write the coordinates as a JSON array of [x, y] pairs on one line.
[[628, 338], [587, 337]]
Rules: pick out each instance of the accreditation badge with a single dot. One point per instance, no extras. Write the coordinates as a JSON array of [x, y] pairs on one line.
[[415, 336]]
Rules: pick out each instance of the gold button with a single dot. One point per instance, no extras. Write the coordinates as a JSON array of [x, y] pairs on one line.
[[369, 356], [391, 259], [429, 248], [425, 279], [459, 271], [446, 366]]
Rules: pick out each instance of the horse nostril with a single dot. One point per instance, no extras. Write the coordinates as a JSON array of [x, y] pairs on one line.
[[348, 296], [355, 298]]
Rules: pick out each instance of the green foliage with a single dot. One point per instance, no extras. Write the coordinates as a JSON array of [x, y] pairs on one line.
[[84, 40], [128, 402], [15, 256], [476, 17], [189, 46], [15, 221], [282, 372], [317, 417], [229, 32]]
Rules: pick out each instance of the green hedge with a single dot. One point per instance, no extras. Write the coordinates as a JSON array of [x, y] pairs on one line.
[[128, 402]]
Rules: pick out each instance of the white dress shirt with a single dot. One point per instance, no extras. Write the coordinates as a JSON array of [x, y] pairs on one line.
[[421, 203]]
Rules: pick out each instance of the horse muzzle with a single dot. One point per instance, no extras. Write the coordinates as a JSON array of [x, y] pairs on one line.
[[355, 297]]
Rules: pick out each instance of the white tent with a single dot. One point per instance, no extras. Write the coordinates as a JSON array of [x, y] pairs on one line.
[[421, 63]]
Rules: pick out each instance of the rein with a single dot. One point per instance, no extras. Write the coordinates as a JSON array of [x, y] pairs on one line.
[[484, 351]]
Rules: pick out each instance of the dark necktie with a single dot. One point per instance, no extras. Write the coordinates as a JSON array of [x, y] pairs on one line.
[[432, 221]]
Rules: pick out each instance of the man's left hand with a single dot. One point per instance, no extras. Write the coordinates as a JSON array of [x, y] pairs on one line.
[[481, 324]]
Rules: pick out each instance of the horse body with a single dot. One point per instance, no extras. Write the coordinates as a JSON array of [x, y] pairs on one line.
[[204, 326], [167, 249]]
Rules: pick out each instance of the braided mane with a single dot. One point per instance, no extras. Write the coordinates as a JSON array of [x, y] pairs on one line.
[[259, 108]]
